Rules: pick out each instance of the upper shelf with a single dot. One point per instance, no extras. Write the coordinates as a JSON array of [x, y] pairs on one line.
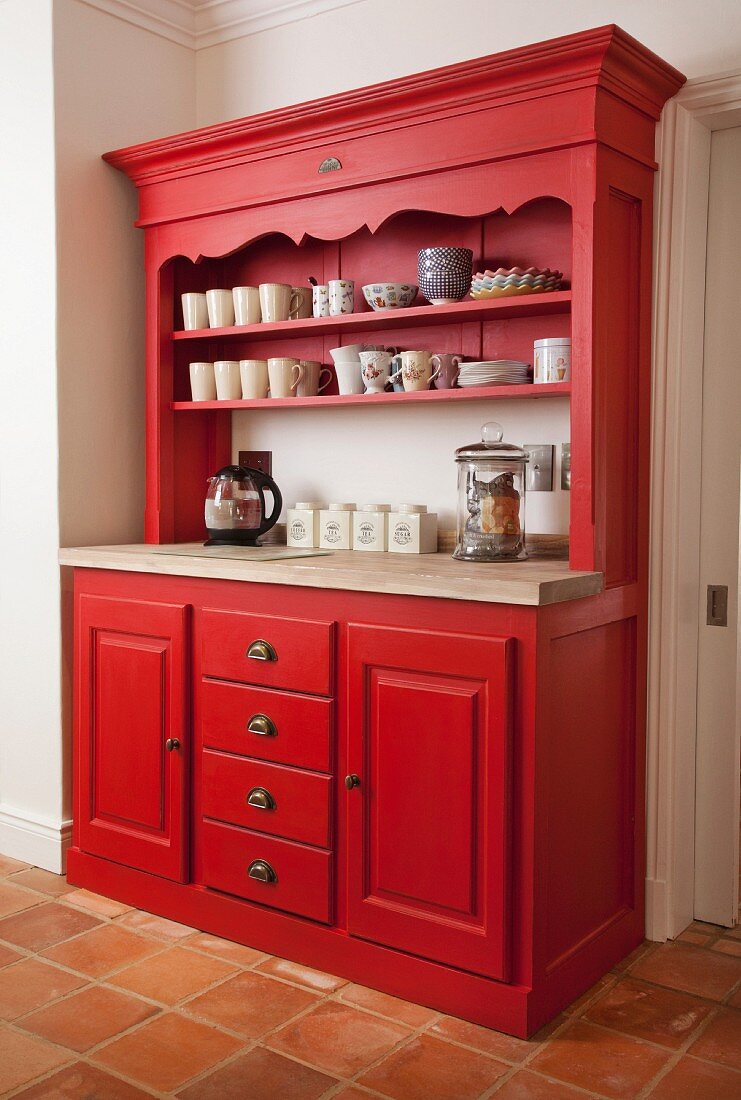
[[528, 305]]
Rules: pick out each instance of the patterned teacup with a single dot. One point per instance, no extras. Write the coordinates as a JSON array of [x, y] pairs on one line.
[[415, 369]]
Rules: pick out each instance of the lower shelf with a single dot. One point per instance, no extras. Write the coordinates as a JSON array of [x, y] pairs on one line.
[[553, 389]]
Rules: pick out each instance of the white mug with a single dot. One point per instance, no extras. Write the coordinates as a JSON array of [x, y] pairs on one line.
[[285, 375], [228, 383], [277, 300], [375, 370], [349, 378], [320, 300], [202, 382], [341, 296], [220, 308], [311, 384], [302, 306], [195, 311], [254, 377], [349, 354], [246, 305], [415, 370]]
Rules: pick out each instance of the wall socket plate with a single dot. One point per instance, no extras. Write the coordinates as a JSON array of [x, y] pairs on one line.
[[566, 466], [539, 476], [257, 460]]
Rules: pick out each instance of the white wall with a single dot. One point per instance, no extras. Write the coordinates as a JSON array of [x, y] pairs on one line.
[[30, 703], [406, 454], [76, 82]]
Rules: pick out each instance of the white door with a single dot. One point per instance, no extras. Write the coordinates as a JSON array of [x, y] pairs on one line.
[[718, 730]]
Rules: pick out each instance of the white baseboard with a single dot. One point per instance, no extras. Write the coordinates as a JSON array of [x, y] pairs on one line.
[[34, 840], [656, 917]]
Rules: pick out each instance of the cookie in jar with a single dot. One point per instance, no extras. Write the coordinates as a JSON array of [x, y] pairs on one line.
[[491, 499]]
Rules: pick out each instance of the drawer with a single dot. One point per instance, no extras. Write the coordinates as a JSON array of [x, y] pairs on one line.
[[301, 882], [285, 728], [297, 656], [267, 797]]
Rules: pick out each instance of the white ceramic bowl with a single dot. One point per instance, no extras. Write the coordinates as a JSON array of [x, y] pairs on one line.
[[390, 295]]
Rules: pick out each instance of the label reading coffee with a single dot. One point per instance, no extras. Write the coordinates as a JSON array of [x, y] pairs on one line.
[[298, 531], [402, 535]]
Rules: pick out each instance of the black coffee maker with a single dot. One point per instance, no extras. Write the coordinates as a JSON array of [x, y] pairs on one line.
[[235, 506]]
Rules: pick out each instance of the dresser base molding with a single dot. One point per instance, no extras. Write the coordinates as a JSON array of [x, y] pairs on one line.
[[510, 1008]]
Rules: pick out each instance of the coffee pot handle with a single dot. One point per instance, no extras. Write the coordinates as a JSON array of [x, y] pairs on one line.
[[264, 481]]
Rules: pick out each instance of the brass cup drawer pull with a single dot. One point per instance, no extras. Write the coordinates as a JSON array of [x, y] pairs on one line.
[[262, 726], [352, 781], [261, 871], [260, 650], [261, 799], [172, 743]]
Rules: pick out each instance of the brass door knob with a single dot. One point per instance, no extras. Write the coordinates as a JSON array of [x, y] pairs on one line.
[[352, 781], [260, 650], [261, 871], [261, 799], [262, 726], [172, 743]]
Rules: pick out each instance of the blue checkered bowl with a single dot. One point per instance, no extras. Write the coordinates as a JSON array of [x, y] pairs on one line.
[[445, 273]]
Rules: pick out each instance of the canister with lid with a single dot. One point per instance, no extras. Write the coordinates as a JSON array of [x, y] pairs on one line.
[[303, 524], [412, 530], [370, 527], [552, 359], [335, 526], [491, 498]]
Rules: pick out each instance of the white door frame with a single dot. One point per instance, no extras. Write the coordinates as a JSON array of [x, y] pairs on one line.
[[703, 105]]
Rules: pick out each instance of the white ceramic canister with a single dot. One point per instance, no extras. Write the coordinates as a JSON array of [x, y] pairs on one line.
[[370, 527], [412, 530], [302, 528], [335, 526], [552, 359]]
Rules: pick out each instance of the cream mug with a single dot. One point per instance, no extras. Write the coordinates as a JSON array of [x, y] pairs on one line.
[[302, 307], [246, 305], [311, 384], [375, 369], [220, 308], [195, 311], [202, 382], [254, 377], [284, 375], [228, 383], [349, 378], [341, 296], [415, 369], [276, 301]]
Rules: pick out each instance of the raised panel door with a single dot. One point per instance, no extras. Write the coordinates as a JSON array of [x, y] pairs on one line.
[[428, 739], [131, 733]]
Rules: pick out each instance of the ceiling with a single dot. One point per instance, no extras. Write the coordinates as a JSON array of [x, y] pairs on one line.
[[202, 23]]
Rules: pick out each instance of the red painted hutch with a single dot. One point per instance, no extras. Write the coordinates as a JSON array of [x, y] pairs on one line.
[[487, 857]]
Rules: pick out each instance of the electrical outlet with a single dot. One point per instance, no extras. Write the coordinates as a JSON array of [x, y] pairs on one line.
[[540, 467], [257, 460], [566, 466]]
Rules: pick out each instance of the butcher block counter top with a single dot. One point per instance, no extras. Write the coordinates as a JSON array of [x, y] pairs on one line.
[[531, 583]]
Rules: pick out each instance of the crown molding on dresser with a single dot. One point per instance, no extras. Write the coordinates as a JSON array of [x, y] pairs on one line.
[[199, 24]]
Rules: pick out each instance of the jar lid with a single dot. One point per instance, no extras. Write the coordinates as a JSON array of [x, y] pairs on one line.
[[309, 505], [553, 341], [335, 507], [375, 507], [491, 447], [412, 508]]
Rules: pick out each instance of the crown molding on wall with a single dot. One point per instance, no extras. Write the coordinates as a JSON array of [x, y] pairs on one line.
[[199, 24]]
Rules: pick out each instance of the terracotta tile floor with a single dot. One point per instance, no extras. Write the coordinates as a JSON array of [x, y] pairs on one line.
[[103, 1002]]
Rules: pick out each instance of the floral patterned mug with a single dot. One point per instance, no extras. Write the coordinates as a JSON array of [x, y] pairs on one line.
[[415, 369], [375, 369]]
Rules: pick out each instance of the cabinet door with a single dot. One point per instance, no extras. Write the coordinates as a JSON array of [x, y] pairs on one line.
[[131, 732], [428, 823]]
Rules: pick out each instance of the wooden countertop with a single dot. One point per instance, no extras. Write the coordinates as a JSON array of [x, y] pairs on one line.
[[531, 583]]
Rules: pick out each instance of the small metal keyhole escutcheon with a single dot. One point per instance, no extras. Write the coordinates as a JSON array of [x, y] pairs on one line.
[[352, 781], [172, 743]]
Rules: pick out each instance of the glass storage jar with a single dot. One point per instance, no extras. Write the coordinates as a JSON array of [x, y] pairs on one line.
[[491, 499]]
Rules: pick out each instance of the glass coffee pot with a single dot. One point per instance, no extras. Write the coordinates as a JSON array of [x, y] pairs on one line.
[[491, 499], [235, 510]]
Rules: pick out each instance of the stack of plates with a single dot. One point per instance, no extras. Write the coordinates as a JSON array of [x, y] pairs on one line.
[[499, 372], [506, 282]]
